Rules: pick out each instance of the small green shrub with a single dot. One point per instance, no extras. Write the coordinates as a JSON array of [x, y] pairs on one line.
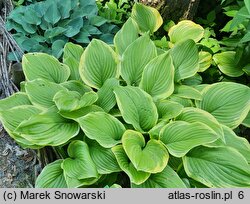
[[132, 114], [46, 26]]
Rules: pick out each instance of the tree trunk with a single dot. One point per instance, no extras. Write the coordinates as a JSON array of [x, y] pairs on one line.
[[175, 10]]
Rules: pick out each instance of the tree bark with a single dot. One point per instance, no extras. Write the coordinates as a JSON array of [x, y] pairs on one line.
[[175, 10]]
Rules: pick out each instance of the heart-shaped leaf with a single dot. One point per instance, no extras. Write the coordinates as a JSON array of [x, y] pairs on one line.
[[168, 109], [180, 137], [137, 107], [151, 157], [102, 127]]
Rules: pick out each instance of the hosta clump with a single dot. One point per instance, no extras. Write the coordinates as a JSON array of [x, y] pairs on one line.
[[124, 116], [46, 26]]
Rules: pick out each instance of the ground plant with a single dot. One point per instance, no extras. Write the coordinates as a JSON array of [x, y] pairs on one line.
[[132, 114]]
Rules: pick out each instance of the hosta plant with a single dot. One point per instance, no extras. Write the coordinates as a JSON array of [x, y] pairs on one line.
[[122, 114]]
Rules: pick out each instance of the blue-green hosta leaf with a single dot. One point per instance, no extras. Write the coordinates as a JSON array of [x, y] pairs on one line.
[[51, 176], [228, 102], [180, 136], [10, 123], [246, 121], [147, 18], [71, 57], [158, 77], [189, 92], [137, 107], [103, 158], [227, 64], [221, 167], [168, 178], [44, 66], [41, 92], [192, 115], [71, 100], [98, 63], [52, 14], [185, 30], [17, 99], [134, 175], [151, 157], [205, 61], [48, 129], [186, 59], [57, 48], [80, 165], [74, 85], [135, 58], [106, 96], [168, 109], [102, 127], [125, 36]]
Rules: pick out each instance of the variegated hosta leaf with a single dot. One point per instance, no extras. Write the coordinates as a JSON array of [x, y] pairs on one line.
[[137, 107], [135, 176], [98, 63], [227, 64], [186, 59], [51, 176], [103, 158], [106, 96], [71, 57], [228, 102], [192, 115], [168, 109], [74, 85], [147, 18], [189, 92], [185, 30], [71, 100], [48, 129], [79, 166], [180, 137], [205, 61], [41, 92], [44, 66], [11, 119], [168, 178], [151, 157], [183, 101], [221, 167], [125, 36], [135, 58], [246, 121], [17, 99], [102, 127], [158, 77]]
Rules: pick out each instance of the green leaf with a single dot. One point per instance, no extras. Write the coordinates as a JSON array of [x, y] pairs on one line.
[[54, 32], [228, 102], [189, 92], [80, 165], [180, 137], [41, 92], [246, 121], [73, 27], [106, 96], [247, 4], [125, 36], [135, 176], [103, 158], [185, 30], [57, 48], [52, 14], [48, 129], [71, 57], [183, 101], [51, 176], [102, 127], [135, 58], [147, 18], [205, 61], [168, 178], [227, 64], [151, 157], [98, 63], [71, 100], [137, 107], [44, 66], [221, 167], [186, 59], [158, 77], [17, 99], [74, 85]]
